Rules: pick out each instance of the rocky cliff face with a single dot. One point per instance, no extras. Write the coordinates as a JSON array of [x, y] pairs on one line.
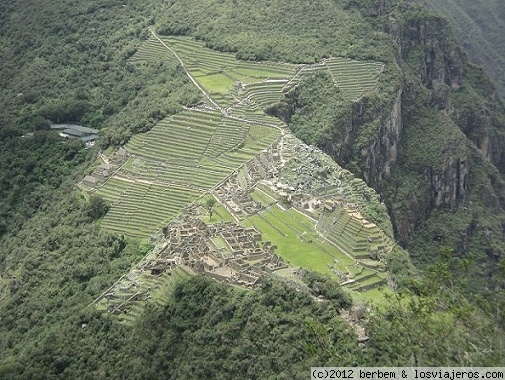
[[426, 45], [459, 89], [421, 152], [378, 155]]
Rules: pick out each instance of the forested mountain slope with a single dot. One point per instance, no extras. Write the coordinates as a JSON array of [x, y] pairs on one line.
[[479, 26], [429, 139]]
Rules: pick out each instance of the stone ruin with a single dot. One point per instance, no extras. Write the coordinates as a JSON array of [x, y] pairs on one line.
[[235, 193], [241, 260]]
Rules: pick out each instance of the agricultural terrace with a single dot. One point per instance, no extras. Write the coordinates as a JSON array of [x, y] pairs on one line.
[[342, 250], [220, 73], [354, 78], [186, 155], [232, 82], [129, 293], [176, 162], [151, 51], [263, 84]]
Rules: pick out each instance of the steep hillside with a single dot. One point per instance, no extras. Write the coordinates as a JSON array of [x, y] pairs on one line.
[[479, 26], [430, 138], [417, 123]]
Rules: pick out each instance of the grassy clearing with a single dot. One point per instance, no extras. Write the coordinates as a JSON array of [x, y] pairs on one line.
[[262, 197], [374, 296], [263, 72], [216, 83], [219, 213], [221, 243], [291, 248]]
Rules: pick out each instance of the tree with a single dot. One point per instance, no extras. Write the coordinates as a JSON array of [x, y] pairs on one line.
[[96, 207], [210, 203]]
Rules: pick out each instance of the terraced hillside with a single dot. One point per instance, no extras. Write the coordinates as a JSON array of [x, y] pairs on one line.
[[179, 160], [265, 181], [151, 50], [185, 155], [262, 84]]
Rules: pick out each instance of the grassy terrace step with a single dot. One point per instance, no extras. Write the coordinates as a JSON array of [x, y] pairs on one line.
[[182, 127], [199, 149], [173, 169], [201, 126], [151, 50], [266, 85], [298, 242], [140, 208]]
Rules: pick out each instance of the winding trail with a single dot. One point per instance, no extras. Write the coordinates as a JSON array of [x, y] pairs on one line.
[[191, 78], [222, 110]]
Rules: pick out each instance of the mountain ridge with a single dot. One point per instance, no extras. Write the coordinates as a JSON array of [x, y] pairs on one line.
[[72, 63]]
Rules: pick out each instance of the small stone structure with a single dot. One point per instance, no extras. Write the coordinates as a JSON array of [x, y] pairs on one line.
[[241, 261]]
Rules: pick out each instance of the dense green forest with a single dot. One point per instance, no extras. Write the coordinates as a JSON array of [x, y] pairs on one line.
[[69, 63], [479, 26]]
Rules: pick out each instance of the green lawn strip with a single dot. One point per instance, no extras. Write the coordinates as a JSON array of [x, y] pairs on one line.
[[221, 243], [262, 197], [360, 273], [197, 51], [301, 218], [217, 83], [202, 179], [307, 232], [210, 57], [223, 214], [342, 260], [198, 115], [268, 85], [289, 246], [216, 218], [371, 280], [260, 132], [110, 194], [198, 69], [232, 161], [196, 125], [261, 72], [188, 137], [375, 296], [276, 216]]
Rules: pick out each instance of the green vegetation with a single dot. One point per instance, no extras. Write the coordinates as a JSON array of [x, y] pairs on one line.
[[422, 154], [297, 250], [31, 168], [209, 205], [196, 149], [84, 62], [278, 31], [313, 121], [207, 329], [478, 24], [174, 164], [140, 209]]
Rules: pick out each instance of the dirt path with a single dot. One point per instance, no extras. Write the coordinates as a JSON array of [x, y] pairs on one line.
[[223, 111], [191, 78]]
